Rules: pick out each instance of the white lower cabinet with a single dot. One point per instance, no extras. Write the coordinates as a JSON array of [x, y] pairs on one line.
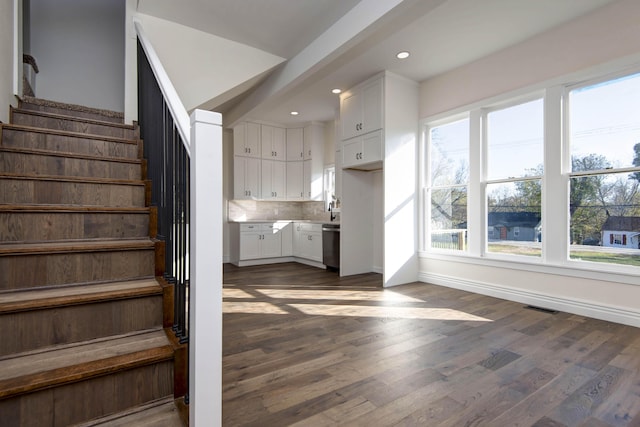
[[307, 241], [265, 242], [260, 241]]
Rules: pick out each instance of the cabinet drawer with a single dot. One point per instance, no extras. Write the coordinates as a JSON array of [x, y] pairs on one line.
[[250, 227]]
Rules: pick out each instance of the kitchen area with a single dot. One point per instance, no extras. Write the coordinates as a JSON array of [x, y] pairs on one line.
[[320, 193]]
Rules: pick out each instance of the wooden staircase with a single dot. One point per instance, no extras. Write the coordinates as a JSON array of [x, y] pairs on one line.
[[82, 315]]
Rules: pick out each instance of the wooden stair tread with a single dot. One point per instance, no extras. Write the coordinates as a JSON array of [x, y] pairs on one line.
[[70, 134], [14, 301], [75, 246], [161, 413], [35, 208], [29, 372], [69, 155], [65, 178], [72, 118]]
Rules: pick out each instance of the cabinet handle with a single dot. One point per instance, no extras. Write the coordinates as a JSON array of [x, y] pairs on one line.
[[275, 154]]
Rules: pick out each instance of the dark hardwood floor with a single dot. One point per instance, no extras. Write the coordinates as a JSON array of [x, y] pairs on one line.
[[305, 347]]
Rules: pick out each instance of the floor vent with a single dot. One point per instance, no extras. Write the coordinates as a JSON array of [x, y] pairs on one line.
[[543, 310]]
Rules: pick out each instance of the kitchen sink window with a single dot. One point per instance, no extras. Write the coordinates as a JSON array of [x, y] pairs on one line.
[[447, 184]]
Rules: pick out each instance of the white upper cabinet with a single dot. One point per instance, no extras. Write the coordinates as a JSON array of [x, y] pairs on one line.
[[273, 141], [246, 178], [361, 109], [246, 140], [295, 188], [295, 146], [273, 180], [363, 150]]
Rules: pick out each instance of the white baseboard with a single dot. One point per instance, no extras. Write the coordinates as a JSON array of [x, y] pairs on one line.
[[575, 306]]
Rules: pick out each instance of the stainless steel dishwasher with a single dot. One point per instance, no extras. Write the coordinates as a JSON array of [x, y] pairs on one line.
[[331, 246]]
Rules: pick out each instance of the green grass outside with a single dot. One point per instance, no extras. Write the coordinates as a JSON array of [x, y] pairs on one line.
[[611, 258]]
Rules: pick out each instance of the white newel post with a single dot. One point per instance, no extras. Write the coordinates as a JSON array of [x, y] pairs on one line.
[[205, 292]]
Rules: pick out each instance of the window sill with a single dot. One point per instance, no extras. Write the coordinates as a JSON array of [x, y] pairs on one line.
[[580, 269]]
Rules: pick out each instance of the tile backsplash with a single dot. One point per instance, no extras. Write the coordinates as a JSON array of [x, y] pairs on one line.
[[244, 210]]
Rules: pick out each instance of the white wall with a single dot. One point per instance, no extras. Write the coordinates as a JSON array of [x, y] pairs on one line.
[[609, 33], [7, 54], [607, 39], [79, 49]]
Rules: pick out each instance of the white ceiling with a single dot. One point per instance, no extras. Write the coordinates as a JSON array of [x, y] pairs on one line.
[[454, 33]]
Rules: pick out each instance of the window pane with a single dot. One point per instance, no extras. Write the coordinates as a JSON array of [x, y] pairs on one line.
[[604, 122], [513, 218], [450, 153], [449, 218], [515, 138], [605, 218]]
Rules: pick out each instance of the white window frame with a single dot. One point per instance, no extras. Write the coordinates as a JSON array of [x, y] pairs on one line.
[[425, 228], [555, 182]]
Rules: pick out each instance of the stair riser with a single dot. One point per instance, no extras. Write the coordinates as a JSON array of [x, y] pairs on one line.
[[73, 403], [32, 330], [36, 270], [72, 113], [13, 138], [42, 226], [21, 191], [20, 118], [39, 164]]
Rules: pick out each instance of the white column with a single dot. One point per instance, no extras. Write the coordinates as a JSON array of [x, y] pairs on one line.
[[205, 292]]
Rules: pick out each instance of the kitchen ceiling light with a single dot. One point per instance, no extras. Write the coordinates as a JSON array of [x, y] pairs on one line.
[[402, 55], [294, 113], [336, 91]]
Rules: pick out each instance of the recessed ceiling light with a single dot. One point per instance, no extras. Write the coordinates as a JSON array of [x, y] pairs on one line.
[[402, 55], [294, 113], [336, 91]]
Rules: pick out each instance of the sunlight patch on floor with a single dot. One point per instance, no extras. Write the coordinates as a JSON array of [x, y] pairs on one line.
[[251, 308], [342, 295], [398, 312], [235, 293]]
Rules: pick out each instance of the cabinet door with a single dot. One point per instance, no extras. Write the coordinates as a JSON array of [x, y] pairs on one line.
[[271, 244], [279, 144], [371, 147], [252, 140], [306, 179], [239, 137], [307, 142], [372, 95], [286, 236], [267, 192], [297, 239], [246, 178], [294, 180], [351, 114], [315, 246], [295, 144], [351, 152], [279, 180], [252, 177], [250, 245], [266, 141]]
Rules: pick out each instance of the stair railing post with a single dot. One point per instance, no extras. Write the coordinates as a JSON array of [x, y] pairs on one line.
[[205, 291]]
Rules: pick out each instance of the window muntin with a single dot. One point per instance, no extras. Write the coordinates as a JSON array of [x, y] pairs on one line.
[[604, 196], [448, 177], [515, 165]]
